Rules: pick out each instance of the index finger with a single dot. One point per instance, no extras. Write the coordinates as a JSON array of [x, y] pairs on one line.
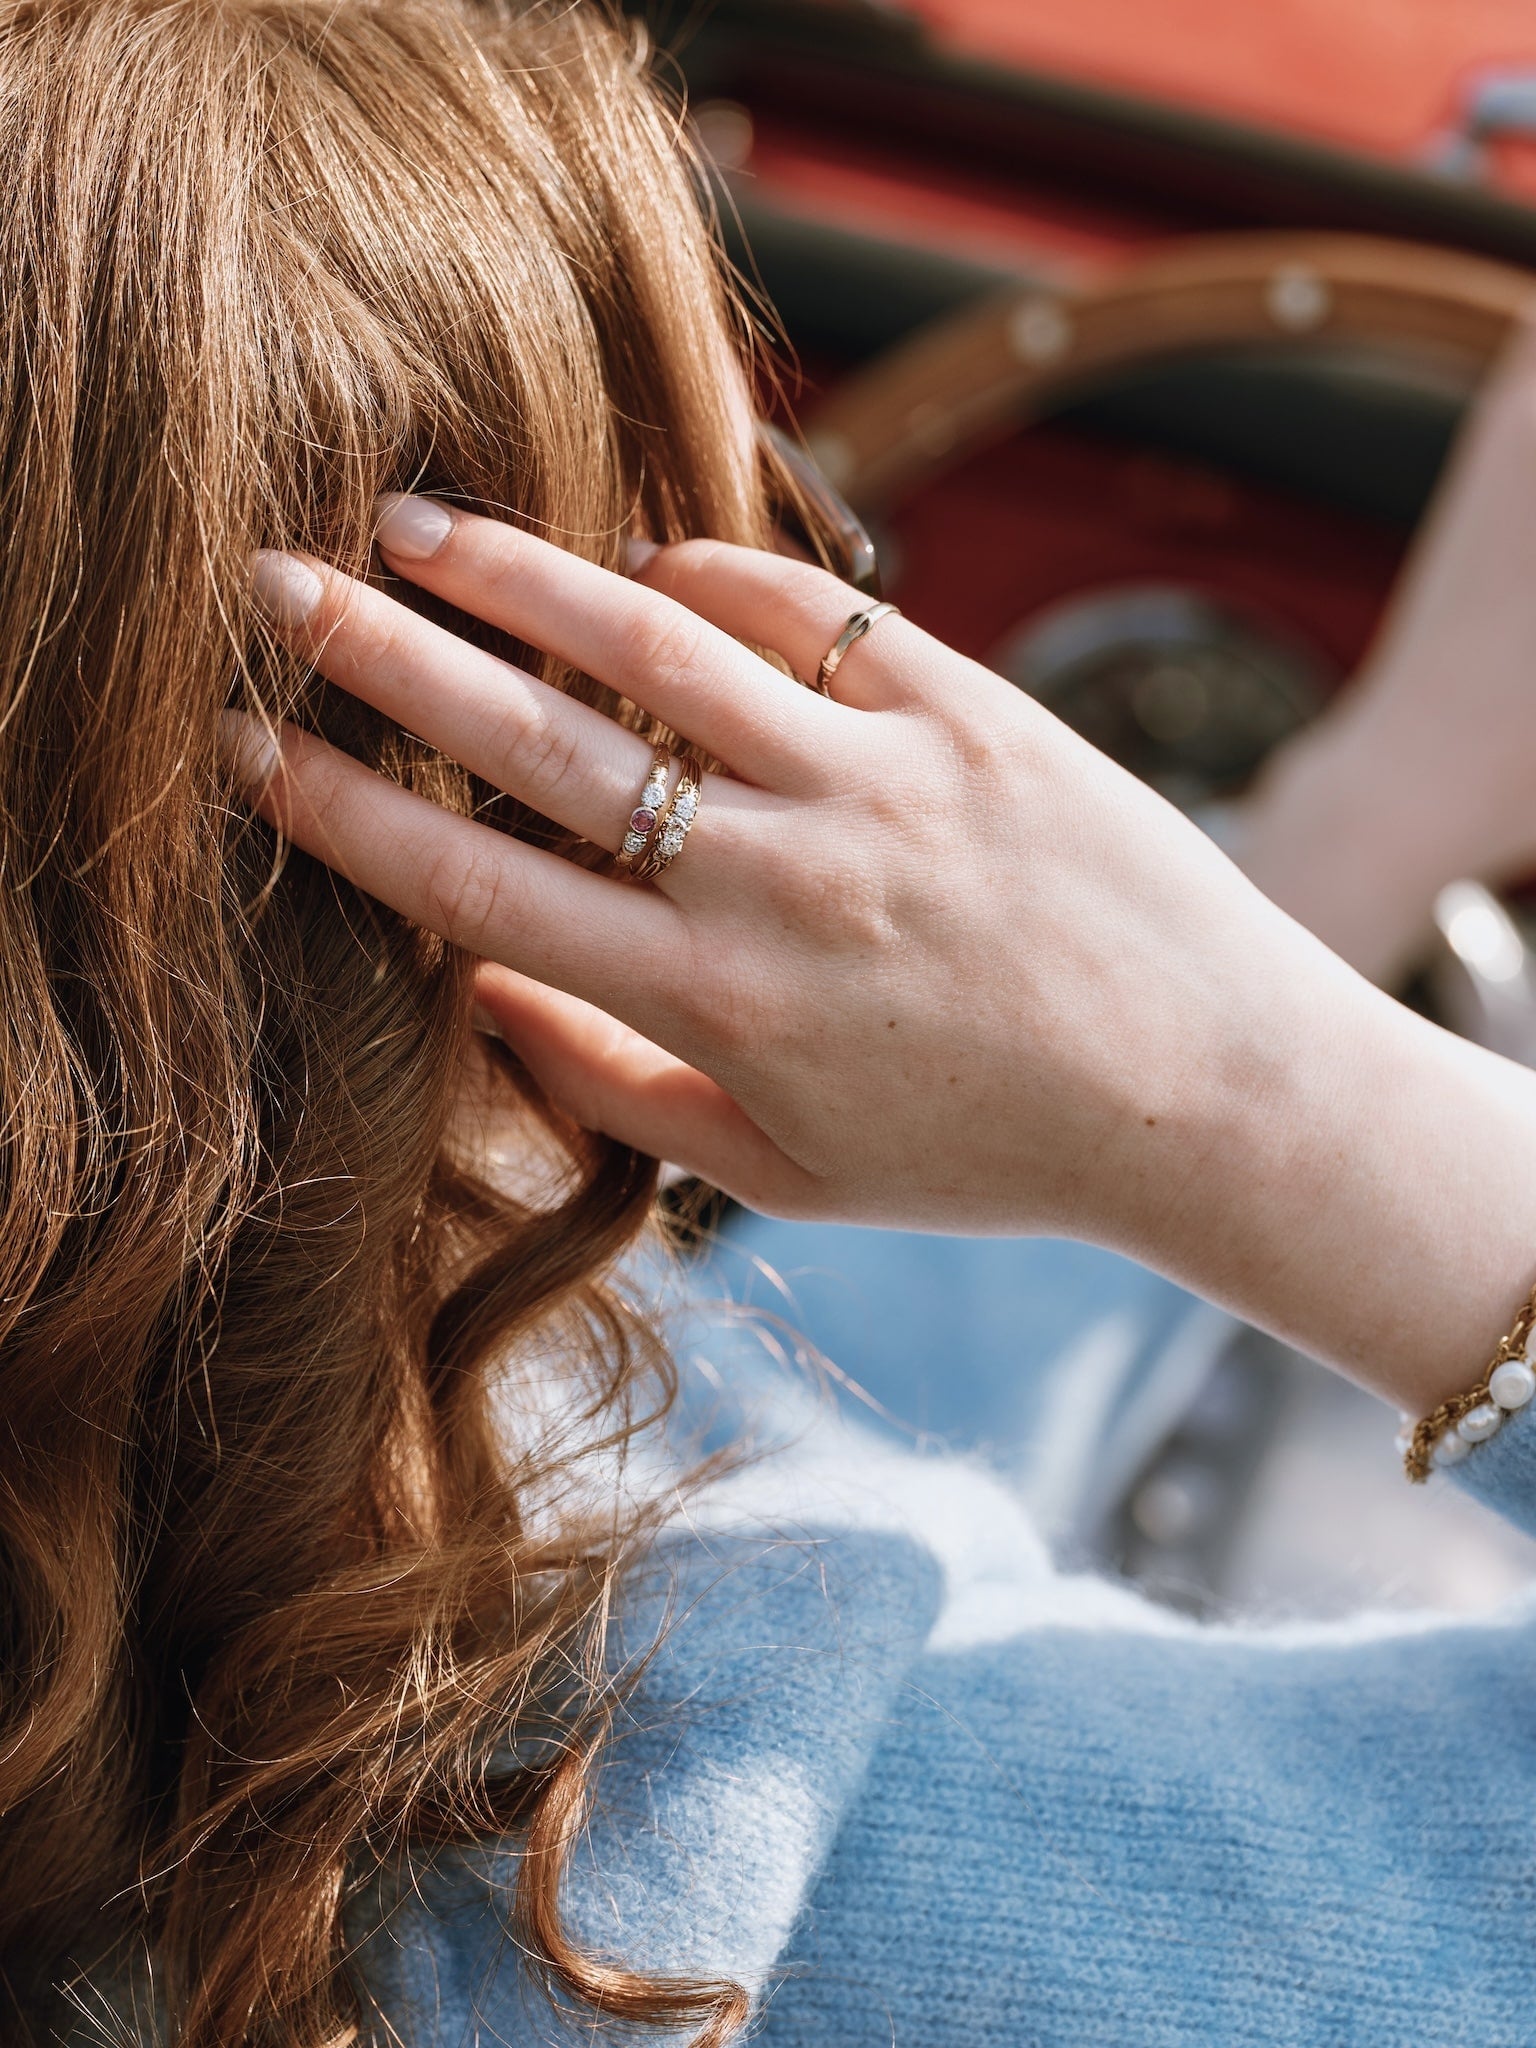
[[686, 672]]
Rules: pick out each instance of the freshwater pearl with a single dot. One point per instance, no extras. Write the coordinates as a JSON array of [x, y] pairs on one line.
[[1450, 1450], [1480, 1423], [1512, 1384]]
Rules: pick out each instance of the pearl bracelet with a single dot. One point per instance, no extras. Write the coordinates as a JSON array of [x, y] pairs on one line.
[[1446, 1436]]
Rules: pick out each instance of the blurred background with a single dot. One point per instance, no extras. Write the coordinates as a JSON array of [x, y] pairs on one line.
[[1135, 332]]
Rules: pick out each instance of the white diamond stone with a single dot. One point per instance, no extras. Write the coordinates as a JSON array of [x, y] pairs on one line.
[[1512, 1383]]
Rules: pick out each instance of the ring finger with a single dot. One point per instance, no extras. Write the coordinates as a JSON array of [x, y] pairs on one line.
[[575, 766]]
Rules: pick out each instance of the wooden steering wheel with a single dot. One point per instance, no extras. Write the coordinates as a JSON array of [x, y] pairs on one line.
[[977, 375]]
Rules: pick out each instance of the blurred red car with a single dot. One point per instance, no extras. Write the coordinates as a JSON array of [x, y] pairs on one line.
[[1196, 546]]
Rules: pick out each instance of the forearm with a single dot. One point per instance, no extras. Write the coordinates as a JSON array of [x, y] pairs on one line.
[[1362, 1184], [1037, 1001]]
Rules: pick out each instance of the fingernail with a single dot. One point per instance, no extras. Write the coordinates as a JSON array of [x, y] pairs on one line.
[[413, 528], [640, 552], [249, 748], [286, 589]]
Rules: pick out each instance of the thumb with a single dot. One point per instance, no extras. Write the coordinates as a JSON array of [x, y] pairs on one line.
[[610, 1079]]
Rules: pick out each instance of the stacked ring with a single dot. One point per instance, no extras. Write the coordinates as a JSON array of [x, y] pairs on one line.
[[675, 826], [644, 817]]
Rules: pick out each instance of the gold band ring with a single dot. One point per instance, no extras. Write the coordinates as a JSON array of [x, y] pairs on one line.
[[643, 818], [855, 629], [678, 821]]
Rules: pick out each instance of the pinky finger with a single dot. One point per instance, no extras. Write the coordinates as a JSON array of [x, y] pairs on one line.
[[610, 1079]]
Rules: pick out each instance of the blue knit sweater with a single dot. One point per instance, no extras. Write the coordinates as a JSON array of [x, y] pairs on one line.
[[916, 1787]]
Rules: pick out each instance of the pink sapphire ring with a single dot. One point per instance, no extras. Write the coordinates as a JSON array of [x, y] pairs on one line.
[[855, 629], [676, 823], [646, 815]]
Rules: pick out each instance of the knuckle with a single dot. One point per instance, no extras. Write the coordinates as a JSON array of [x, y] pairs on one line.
[[981, 753], [690, 557], [465, 893], [354, 635], [888, 805], [662, 643], [309, 785], [802, 586], [855, 907], [810, 589], [325, 781], [543, 749], [843, 906]]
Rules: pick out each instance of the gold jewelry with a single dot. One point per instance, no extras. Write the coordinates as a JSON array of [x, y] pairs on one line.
[[678, 821], [856, 628], [1446, 1436], [643, 818]]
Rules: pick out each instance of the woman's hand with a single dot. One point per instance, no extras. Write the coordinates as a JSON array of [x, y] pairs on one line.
[[941, 962], [926, 957]]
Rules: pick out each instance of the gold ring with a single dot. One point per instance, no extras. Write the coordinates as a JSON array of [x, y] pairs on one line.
[[643, 818], [855, 629], [677, 822]]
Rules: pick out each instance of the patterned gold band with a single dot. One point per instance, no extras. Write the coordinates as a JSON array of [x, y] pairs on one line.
[[677, 823]]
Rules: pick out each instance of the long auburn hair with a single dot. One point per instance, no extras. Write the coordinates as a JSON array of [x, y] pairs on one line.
[[268, 1568]]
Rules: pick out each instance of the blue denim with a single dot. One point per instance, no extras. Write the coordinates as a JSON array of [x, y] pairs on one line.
[[910, 1783]]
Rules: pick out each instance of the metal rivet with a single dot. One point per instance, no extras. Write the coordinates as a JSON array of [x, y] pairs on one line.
[[1297, 298], [1039, 331]]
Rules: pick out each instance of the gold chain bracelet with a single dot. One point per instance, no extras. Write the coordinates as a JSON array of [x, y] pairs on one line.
[[1449, 1433]]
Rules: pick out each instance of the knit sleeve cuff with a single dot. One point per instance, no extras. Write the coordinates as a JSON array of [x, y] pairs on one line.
[[1501, 1473]]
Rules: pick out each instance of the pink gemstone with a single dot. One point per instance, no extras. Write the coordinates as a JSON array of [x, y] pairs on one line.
[[643, 820]]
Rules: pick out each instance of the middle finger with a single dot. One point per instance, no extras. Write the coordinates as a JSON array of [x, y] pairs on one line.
[[568, 761]]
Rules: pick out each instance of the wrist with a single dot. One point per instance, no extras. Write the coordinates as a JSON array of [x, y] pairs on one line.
[[1361, 1186], [1255, 1053]]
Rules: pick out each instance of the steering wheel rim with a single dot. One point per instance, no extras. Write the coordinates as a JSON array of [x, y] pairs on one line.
[[978, 375]]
